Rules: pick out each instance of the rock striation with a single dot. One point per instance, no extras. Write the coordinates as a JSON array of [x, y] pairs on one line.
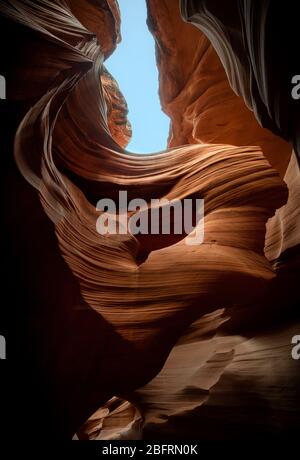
[[135, 336]]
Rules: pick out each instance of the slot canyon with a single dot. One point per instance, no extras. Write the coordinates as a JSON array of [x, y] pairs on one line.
[[128, 336]]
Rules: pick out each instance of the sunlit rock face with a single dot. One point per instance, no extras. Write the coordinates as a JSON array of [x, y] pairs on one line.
[[259, 61], [196, 339], [118, 123], [192, 80]]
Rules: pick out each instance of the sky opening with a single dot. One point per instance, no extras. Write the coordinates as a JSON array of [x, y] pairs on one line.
[[134, 67]]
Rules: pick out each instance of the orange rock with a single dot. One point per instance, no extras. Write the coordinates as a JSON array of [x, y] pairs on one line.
[[116, 324]]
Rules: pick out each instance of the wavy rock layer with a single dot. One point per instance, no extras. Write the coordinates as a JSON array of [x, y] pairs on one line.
[[259, 62], [163, 324], [192, 80], [230, 374]]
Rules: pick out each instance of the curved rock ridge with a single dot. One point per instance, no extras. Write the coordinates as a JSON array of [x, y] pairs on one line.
[[100, 17], [192, 80], [259, 61], [144, 304], [197, 380], [117, 111]]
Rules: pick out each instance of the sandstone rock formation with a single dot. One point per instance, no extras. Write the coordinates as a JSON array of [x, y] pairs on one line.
[[131, 335], [259, 61]]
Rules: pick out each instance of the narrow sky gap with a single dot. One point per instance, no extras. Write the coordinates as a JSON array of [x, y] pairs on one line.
[[134, 67]]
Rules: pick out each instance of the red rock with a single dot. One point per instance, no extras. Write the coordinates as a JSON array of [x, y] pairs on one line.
[[113, 324]]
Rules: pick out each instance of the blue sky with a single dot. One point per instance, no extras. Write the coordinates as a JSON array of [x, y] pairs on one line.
[[133, 66]]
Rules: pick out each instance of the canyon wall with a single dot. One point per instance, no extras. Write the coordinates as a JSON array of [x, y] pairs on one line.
[[230, 374], [145, 336]]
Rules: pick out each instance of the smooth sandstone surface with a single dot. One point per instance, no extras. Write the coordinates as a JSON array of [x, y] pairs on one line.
[[142, 336]]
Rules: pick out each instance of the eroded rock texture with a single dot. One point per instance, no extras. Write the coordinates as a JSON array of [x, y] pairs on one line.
[[259, 61], [152, 336]]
